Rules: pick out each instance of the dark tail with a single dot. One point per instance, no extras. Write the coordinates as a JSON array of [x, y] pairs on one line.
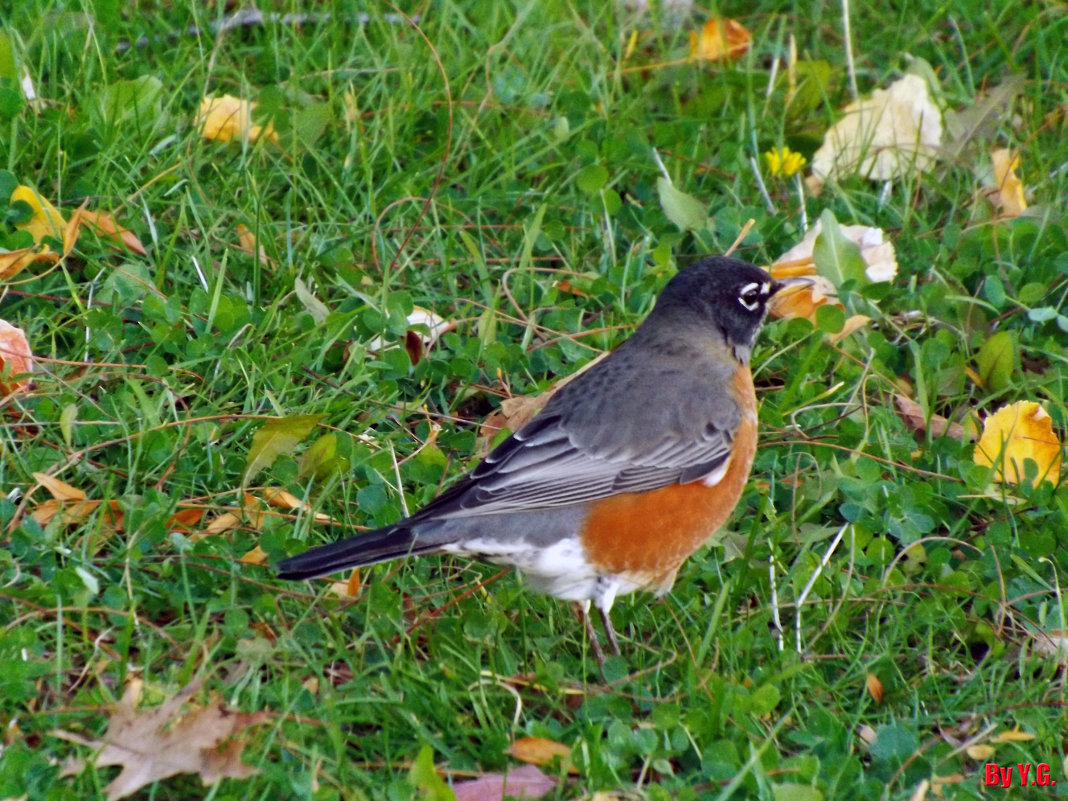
[[365, 549]]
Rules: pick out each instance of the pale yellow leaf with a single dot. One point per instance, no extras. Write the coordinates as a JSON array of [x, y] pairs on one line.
[[895, 132]]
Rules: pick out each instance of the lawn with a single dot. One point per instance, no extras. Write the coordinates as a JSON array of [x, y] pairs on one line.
[[239, 377]]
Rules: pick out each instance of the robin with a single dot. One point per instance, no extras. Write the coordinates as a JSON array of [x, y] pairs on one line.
[[627, 470]]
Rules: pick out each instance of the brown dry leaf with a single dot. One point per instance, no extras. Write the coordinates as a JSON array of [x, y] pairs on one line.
[[1015, 433], [15, 359], [349, 588], [282, 499], [247, 240], [526, 781], [60, 490], [168, 740], [104, 224], [257, 556], [897, 131], [185, 518], [938, 426], [720, 38], [227, 118], [15, 261], [874, 687], [1007, 193], [537, 750]]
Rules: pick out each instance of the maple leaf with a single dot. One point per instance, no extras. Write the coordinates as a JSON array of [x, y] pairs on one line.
[[155, 744]]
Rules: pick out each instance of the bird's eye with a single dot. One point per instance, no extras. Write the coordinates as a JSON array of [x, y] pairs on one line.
[[752, 295]]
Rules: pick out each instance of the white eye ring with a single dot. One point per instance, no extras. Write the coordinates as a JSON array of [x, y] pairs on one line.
[[751, 295]]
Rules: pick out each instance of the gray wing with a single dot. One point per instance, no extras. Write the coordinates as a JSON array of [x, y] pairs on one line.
[[621, 427]]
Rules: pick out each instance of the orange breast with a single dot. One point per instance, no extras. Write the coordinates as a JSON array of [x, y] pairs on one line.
[[648, 535]]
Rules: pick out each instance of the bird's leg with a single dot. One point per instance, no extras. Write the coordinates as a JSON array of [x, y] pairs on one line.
[[609, 631], [591, 632]]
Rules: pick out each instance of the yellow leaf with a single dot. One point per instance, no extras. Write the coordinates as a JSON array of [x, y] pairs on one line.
[[874, 687], [224, 118], [1014, 434], [1012, 736], [257, 556], [537, 750], [720, 38], [981, 752], [895, 132], [227, 118], [1009, 195], [46, 219], [247, 240]]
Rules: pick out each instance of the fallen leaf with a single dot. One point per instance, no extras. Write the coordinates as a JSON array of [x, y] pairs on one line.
[[526, 781], [1007, 192], [15, 261], [15, 359], [720, 38], [275, 438], [227, 118], [251, 516], [1014, 735], [257, 556], [538, 750], [1014, 434], [981, 751], [435, 324], [938, 426], [247, 240], [46, 220], [60, 490], [895, 132], [879, 260], [874, 687], [168, 740], [104, 224]]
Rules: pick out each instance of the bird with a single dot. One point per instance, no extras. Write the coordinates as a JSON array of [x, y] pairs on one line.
[[625, 472]]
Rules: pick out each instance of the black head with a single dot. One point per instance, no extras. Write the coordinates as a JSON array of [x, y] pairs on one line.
[[727, 294]]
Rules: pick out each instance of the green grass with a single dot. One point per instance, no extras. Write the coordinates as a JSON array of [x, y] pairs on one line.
[[467, 184]]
